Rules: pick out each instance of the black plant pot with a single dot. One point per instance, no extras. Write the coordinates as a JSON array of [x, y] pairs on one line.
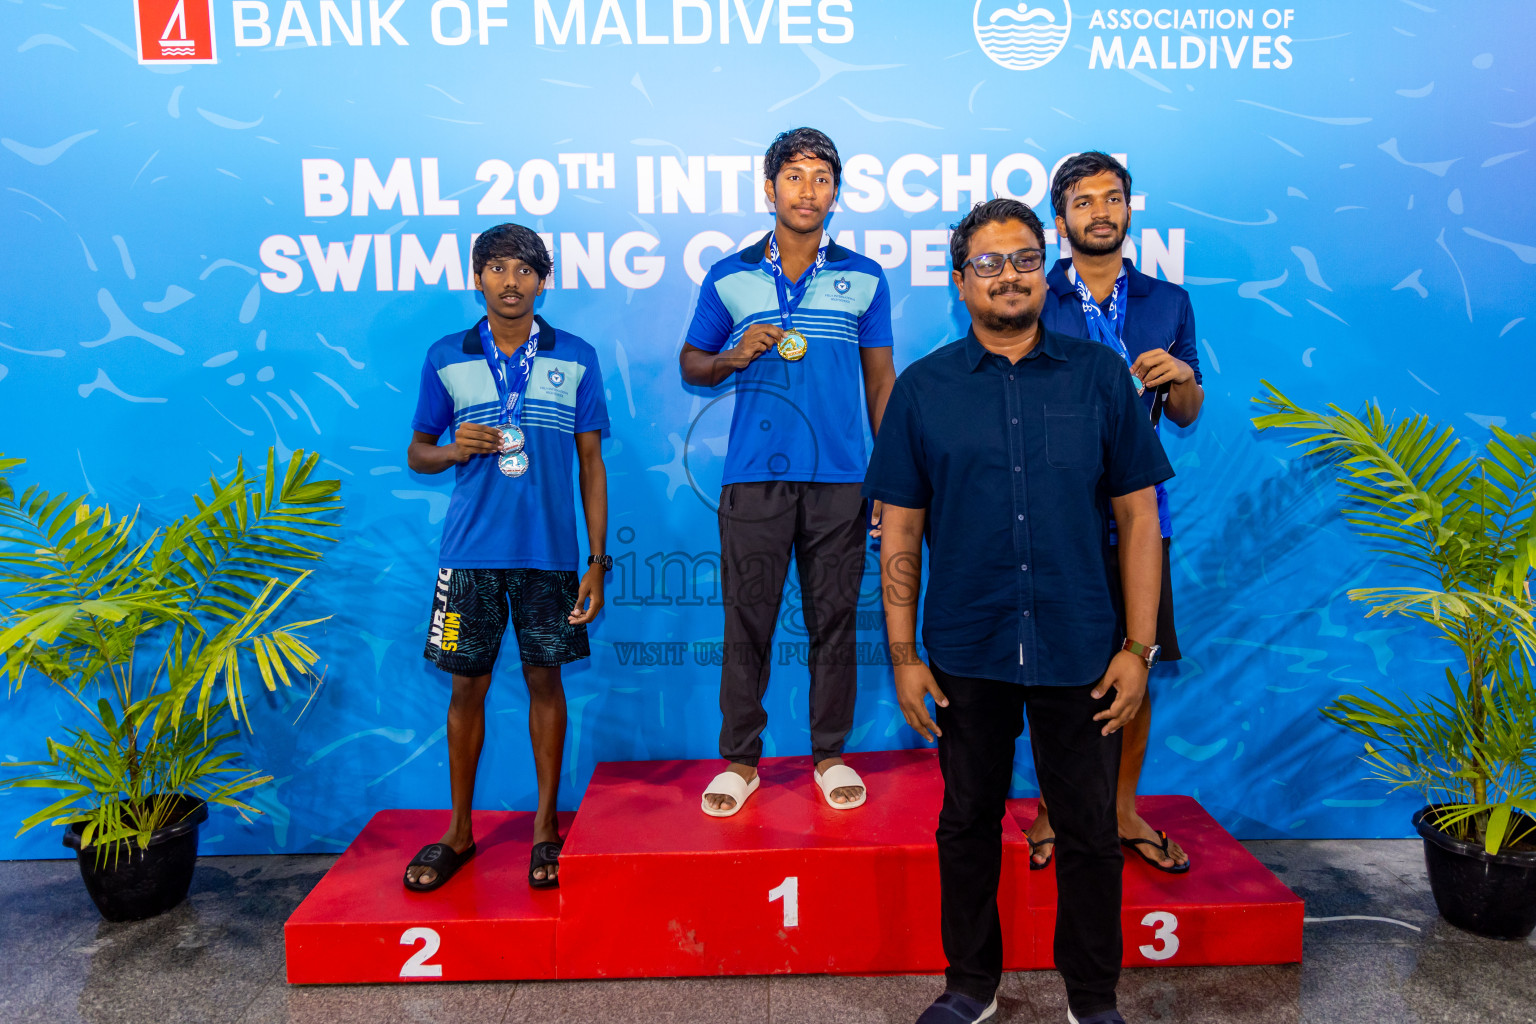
[[133, 882], [1486, 895]]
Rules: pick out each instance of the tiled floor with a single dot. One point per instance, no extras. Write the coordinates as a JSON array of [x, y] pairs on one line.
[[219, 958]]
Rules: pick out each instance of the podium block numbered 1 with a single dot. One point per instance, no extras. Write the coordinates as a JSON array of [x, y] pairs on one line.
[[789, 885]]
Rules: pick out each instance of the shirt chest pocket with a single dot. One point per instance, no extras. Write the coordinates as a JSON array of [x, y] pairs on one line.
[[1072, 436]]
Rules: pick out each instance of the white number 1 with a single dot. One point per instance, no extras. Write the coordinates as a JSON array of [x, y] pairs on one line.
[[1167, 942], [417, 966], [789, 891]]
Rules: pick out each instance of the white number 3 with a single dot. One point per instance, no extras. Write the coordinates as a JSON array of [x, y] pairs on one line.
[[789, 891], [1167, 943], [417, 966]]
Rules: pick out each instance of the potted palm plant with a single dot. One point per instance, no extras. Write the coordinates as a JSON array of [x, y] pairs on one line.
[[151, 634], [1466, 523]]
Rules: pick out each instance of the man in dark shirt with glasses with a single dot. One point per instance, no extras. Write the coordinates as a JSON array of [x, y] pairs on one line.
[[1003, 450]]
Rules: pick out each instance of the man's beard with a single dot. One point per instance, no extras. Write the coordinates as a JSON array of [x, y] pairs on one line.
[[1082, 243], [1020, 321], [1001, 323]]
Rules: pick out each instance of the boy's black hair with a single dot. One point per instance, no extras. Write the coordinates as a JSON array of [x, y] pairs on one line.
[[994, 211], [513, 242], [1085, 165], [797, 141]]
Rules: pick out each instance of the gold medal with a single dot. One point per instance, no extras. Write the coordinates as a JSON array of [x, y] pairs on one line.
[[793, 345]]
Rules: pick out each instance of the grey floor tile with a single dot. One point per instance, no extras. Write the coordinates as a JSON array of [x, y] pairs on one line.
[[204, 961], [816, 999], [1483, 980], [107, 992], [1403, 857], [1173, 995], [1347, 879], [451, 1003], [1439, 983], [44, 908], [652, 1001], [26, 994]]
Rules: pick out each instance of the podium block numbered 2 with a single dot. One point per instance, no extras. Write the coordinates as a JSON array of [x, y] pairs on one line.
[[360, 924]]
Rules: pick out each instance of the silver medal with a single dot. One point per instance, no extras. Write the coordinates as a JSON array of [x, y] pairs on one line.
[[511, 439], [513, 464]]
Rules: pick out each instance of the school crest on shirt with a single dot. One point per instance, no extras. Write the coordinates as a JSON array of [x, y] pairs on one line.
[[557, 377], [842, 285]]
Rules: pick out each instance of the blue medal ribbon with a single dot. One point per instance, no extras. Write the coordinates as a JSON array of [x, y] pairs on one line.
[[1107, 330], [786, 305], [511, 382]]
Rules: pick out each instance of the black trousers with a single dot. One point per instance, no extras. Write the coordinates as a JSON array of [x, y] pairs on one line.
[[1078, 769], [761, 525]]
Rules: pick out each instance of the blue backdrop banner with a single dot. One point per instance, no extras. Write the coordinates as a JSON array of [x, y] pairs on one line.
[[232, 224]]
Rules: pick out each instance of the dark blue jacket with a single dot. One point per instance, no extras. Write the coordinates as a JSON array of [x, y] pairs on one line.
[[1157, 315]]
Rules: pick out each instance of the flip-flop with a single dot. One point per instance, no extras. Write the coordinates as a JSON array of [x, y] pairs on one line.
[[840, 776], [440, 857], [543, 855], [1137, 844], [729, 784], [1035, 844]]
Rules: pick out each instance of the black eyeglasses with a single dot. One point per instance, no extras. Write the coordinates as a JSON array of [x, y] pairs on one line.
[[990, 264]]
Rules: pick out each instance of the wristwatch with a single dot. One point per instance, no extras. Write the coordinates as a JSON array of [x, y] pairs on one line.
[[1143, 651], [606, 561]]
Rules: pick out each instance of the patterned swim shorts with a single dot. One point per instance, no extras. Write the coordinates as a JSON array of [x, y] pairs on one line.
[[469, 617]]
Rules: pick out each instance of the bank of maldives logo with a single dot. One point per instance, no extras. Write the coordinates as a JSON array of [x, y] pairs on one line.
[[1021, 37], [174, 31]]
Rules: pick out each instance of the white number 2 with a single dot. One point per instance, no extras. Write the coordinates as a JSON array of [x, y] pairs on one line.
[[417, 966], [788, 891], [1163, 925]]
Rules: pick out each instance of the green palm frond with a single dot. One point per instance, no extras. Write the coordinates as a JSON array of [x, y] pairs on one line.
[[89, 592], [1467, 522]]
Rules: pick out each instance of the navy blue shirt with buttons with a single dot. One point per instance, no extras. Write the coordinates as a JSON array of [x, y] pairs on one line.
[[1014, 464], [1157, 315]]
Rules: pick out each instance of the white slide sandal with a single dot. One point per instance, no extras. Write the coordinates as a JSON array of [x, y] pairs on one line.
[[840, 776], [729, 784]]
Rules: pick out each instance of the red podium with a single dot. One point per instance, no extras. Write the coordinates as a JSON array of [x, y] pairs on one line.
[[652, 887], [360, 924]]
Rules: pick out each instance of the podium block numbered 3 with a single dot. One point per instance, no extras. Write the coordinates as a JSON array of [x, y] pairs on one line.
[[651, 887]]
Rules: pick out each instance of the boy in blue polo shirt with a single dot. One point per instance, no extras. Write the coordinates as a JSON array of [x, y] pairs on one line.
[[523, 399], [1095, 293], [797, 320]]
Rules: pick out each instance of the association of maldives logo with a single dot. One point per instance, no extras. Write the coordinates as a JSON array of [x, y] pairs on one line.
[[1021, 37], [557, 377], [174, 31]]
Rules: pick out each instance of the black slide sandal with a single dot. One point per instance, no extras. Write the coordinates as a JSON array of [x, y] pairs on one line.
[[440, 857], [1034, 845], [1137, 844], [544, 855]]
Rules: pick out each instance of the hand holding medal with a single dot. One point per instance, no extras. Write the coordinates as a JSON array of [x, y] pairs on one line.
[[511, 382], [792, 344]]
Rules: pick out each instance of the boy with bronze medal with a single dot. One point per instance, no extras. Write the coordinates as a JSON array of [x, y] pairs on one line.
[[524, 401], [795, 323]]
